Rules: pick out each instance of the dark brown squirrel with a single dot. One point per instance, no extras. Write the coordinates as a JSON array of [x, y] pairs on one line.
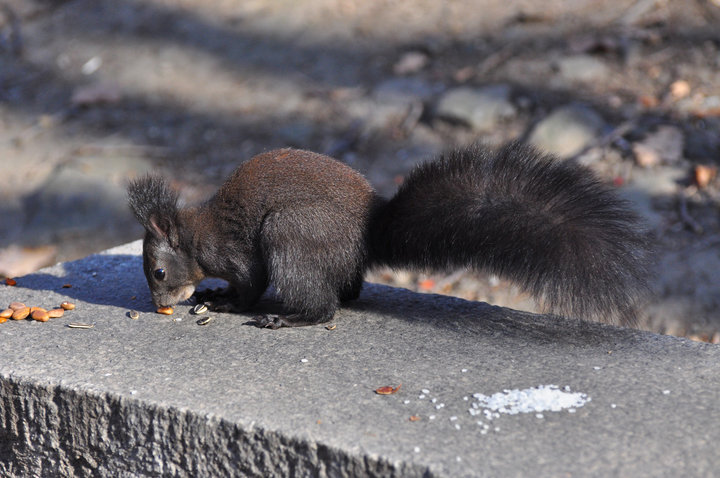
[[311, 226]]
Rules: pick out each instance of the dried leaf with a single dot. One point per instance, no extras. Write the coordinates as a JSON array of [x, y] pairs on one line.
[[649, 101], [704, 174], [427, 284], [387, 390]]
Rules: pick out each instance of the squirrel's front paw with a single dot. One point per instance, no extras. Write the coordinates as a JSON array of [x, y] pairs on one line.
[[220, 306], [268, 321]]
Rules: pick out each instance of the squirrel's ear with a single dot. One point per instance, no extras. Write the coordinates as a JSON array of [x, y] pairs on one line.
[[155, 205]]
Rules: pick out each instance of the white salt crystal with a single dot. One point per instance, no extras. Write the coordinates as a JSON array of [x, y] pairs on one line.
[[538, 399]]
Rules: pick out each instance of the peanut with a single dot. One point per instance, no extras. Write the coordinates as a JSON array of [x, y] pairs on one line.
[[40, 315], [55, 313], [21, 314], [165, 310], [67, 305], [16, 305], [6, 314]]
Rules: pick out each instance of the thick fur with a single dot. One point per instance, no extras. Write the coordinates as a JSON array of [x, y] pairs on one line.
[[311, 226], [550, 226]]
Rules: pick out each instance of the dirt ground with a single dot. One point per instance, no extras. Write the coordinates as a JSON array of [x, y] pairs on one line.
[[95, 91]]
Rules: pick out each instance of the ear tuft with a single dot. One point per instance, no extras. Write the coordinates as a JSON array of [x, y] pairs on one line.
[[155, 205]]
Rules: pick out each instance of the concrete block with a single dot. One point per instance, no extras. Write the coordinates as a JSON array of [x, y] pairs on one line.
[[163, 396]]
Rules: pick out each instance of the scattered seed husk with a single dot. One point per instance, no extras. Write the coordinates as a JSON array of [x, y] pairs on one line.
[[56, 313], [80, 325], [134, 314], [6, 314], [21, 314], [331, 327], [67, 305], [165, 310], [204, 321], [200, 309]]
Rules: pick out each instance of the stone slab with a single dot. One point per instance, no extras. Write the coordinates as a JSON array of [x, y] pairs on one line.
[[163, 397]]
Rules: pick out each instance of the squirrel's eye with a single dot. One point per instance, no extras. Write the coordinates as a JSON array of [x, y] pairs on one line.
[[159, 274]]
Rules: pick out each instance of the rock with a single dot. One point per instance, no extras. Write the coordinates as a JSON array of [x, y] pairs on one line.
[[399, 90], [84, 202], [662, 146], [394, 103], [482, 109], [411, 62], [582, 68], [568, 130]]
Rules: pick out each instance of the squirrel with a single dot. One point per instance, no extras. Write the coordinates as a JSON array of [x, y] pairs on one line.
[[311, 226]]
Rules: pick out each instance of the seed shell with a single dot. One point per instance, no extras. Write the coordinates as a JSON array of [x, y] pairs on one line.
[[134, 314], [80, 325], [204, 321], [200, 309]]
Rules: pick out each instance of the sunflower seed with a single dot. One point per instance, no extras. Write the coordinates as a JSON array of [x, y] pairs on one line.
[[200, 309], [134, 314], [204, 321], [80, 325]]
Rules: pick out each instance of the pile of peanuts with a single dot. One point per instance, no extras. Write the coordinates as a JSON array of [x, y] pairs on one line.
[[19, 311]]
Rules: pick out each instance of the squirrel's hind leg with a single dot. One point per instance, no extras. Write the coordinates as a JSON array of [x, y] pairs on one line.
[[291, 320]]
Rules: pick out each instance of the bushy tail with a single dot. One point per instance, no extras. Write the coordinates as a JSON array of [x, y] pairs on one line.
[[550, 226]]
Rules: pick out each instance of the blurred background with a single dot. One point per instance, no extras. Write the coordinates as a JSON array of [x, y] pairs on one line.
[[93, 92]]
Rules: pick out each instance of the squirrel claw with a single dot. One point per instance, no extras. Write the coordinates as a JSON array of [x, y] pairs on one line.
[[268, 321]]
